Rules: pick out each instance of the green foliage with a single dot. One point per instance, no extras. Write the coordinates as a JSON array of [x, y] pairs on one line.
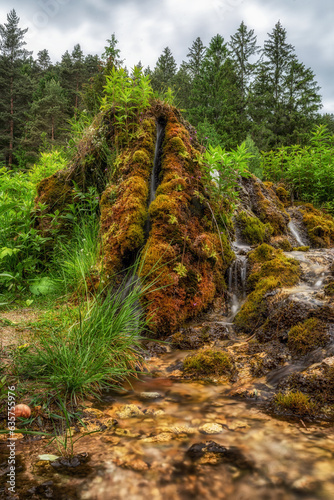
[[21, 245], [308, 170], [222, 169], [128, 96]]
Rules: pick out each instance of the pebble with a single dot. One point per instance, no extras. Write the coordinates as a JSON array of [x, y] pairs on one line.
[[128, 411], [211, 428], [150, 395]]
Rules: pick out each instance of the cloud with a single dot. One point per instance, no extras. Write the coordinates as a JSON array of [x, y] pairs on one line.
[[145, 27]]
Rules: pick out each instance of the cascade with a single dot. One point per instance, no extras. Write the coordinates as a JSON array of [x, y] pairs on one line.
[[237, 275], [295, 233]]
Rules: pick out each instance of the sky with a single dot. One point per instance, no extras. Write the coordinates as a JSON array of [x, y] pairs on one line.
[[144, 28]]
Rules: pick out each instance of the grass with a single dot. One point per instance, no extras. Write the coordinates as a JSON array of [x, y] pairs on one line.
[[101, 349]]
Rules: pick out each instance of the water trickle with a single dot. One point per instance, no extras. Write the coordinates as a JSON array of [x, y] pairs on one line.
[[157, 159], [296, 233], [237, 275]]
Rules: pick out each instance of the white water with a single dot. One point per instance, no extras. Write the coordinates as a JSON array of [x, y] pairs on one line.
[[295, 233]]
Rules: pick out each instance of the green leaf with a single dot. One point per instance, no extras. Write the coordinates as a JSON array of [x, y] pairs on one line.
[[42, 287]]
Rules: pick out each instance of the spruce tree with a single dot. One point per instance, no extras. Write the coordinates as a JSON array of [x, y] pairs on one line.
[[164, 72], [195, 57], [216, 97]]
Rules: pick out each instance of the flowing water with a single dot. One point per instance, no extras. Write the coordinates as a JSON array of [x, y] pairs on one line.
[[294, 230], [158, 454]]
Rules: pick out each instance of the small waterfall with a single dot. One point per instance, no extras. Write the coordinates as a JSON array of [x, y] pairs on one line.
[[237, 275], [154, 182], [295, 233]]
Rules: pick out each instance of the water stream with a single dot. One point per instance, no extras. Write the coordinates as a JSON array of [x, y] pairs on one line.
[[237, 275], [294, 230]]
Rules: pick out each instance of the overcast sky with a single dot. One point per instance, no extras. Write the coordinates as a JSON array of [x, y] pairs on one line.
[[145, 27]]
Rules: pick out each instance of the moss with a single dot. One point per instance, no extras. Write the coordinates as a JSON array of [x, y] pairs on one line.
[[269, 209], [306, 336], [208, 362], [297, 403], [320, 226], [301, 249], [329, 289], [270, 269], [283, 195], [252, 229]]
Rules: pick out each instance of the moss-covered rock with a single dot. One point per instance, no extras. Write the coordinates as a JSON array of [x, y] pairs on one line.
[[252, 230], [208, 362], [306, 336], [320, 226], [270, 269]]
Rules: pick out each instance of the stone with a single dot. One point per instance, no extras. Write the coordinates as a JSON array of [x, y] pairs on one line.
[[129, 411], [164, 437], [150, 395], [211, 428]]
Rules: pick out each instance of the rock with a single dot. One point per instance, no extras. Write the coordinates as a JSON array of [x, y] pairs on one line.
[[48, 458], [211, 428], [213, 453], [129, 411], [328, 361], [179, 429], [150, 395], [126, 433], [93, 412], [132, 463], [164, 437]]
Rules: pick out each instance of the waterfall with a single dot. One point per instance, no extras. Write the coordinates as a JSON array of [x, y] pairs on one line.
[[154, 182], [295, 233], [237, 275]]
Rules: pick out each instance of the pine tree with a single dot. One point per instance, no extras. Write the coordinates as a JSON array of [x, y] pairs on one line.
[[14, 85], [47, 117]]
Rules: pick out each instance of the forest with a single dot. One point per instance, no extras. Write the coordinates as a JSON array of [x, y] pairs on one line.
[[166, 272]]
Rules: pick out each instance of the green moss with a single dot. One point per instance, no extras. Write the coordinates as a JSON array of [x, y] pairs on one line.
[[252, 229], [320, 226], [329, 289], [283, 195], [295, 402], [270, 269], [270, 210], [306, 336], [252, 313], [301, 249], [208, 362], [285, 245]]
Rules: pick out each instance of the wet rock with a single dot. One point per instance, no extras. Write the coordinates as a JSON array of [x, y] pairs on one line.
[[150, 395], [179, 429], [197, 336], [126, 433], [164, 437], [213, 453], [93, 412], [129, 411], [211, 428], [76, 464], [131, 462]]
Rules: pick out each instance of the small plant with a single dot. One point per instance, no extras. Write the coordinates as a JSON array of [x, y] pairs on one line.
[[295, 402], [63, 438]]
